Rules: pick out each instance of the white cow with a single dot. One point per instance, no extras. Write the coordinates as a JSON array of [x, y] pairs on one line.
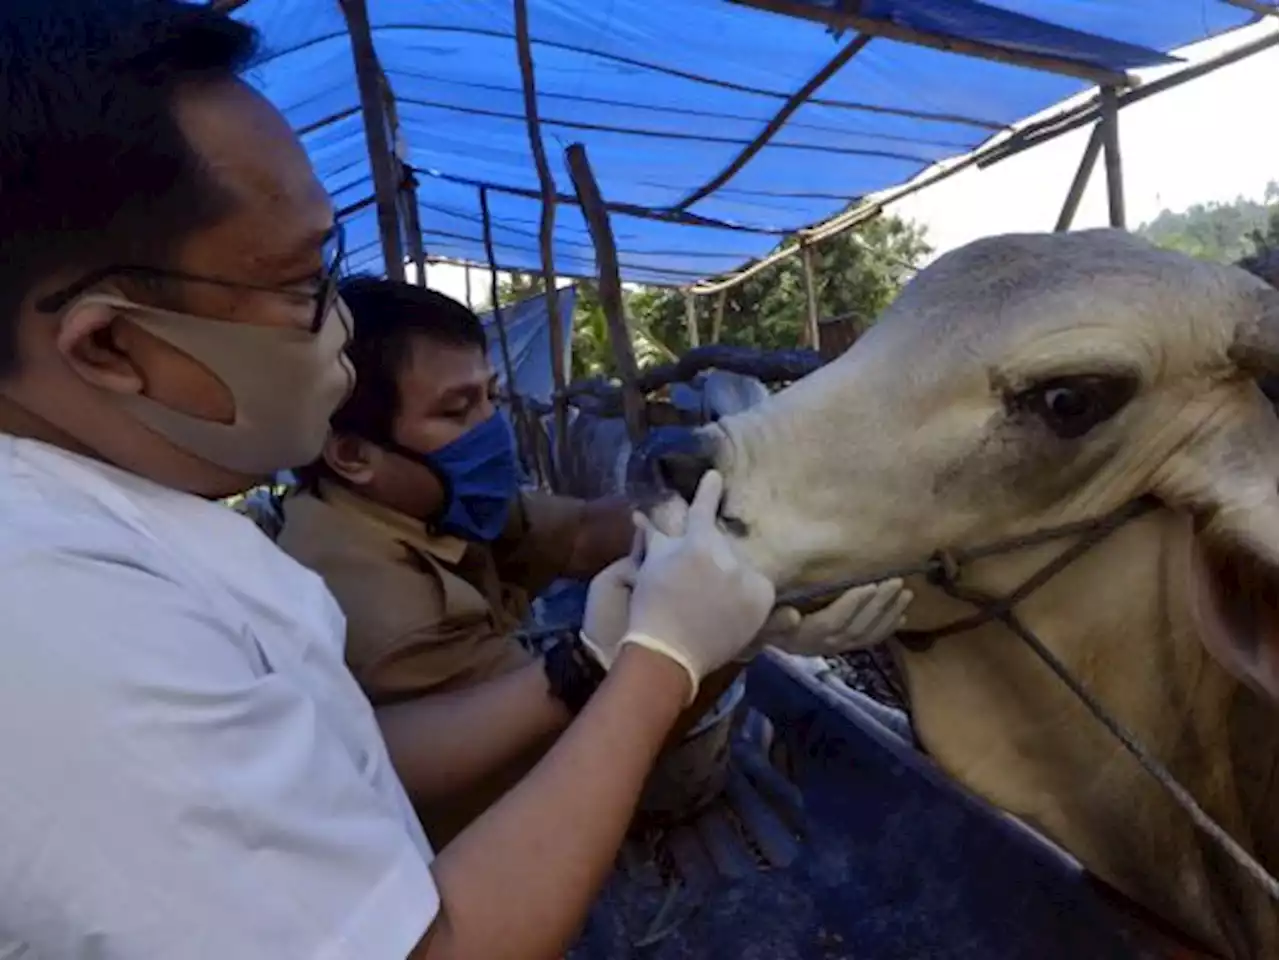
[[1021, 383]]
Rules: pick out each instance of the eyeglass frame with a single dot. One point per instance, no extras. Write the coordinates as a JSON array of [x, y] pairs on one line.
[[324, 297]]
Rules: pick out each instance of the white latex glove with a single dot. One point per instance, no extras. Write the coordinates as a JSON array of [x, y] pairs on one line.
[[608, 609], [860, 617], [694, 600]]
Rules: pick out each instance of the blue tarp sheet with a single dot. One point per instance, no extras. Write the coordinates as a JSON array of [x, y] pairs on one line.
[[529, 340], [665, 94]]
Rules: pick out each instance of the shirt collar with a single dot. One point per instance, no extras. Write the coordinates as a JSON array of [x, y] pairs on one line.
[[394, 524]]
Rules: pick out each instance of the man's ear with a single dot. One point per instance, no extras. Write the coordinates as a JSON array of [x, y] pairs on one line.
[[352, 458], [87, 341]]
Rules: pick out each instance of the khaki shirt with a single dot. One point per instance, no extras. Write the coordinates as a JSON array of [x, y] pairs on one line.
[[428, 612]]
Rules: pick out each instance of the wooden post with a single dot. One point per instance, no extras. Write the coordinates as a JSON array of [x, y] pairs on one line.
[[524, 436], [717, 319], [412, 227], [610, 286], [691, 318], [1088, 161], [546, 227], [381, 160], [466, 270], [1110, 126], [810, 294]]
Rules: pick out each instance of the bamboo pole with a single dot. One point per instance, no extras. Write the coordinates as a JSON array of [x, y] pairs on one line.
[[691, 318], [998, 149], [810, 294], [523, 435], [546, 228], [610, 286], [1081, 181], [1110, 126], [377, 139], [717, 319], [1073, 118]]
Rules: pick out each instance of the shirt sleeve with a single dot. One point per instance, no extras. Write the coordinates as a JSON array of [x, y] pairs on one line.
[[164, 793], [536, 547]]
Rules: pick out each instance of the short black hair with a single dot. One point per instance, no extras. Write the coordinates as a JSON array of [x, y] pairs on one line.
[[93, 166], [389, 316]]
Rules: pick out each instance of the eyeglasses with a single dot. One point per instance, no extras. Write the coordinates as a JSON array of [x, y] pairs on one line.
[[323, 297]]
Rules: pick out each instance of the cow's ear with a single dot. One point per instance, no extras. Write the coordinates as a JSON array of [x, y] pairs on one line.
[[1234, 601]]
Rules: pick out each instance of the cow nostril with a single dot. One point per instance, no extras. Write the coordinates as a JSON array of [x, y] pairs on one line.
[[682, 472]]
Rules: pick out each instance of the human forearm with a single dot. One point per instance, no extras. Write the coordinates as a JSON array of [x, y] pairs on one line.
[[518, 882], [441, 744], [605, 534]]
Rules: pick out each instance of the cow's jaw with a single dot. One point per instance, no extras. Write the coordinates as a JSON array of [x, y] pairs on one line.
[[998, 721]]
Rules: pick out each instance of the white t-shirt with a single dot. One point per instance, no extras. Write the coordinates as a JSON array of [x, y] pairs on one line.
[[187, 768]]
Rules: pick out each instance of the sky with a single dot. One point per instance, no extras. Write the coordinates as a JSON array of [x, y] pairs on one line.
[[1212, 139]]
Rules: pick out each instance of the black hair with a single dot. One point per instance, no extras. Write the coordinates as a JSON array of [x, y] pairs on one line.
[[389, 316], [93, 166]]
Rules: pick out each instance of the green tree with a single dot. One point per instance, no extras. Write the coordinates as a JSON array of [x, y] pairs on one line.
[[856, 273], [1224, 232], [592, 354]]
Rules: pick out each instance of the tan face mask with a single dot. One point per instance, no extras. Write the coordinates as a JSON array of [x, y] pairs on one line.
[[285, 383]]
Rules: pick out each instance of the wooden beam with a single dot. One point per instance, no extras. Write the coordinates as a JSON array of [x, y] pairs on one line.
[[613, 206], [792, 104], [717, 319], [840, 19], [546, 223], [810, 295], [609, 286], [523, 434], [377, 139], [412, 227], [1109, 124], [1087, 162], [988, 155], [1076, 117]]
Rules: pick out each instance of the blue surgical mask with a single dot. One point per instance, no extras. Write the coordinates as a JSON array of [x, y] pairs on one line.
[[480, 476]]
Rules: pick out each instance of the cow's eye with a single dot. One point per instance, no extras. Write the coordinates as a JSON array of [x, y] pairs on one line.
[[1072, 406]]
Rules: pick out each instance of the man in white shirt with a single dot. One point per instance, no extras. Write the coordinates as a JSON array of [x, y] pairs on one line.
[[186, 767]]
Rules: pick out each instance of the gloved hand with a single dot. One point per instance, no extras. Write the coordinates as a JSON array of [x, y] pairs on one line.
[[694, 601], [609, 605], [860, 617]]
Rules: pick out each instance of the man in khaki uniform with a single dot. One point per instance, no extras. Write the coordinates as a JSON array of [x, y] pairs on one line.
[[413, 517]]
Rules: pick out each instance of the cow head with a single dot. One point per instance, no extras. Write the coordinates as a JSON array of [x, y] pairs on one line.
[[1019, 383]]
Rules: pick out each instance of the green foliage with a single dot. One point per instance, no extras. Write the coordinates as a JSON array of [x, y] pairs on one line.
[[858, 273], [1225, 232], [592, 353]]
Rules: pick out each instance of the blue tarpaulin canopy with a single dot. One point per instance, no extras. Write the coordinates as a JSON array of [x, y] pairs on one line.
[[529, 340], [666, 94]]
